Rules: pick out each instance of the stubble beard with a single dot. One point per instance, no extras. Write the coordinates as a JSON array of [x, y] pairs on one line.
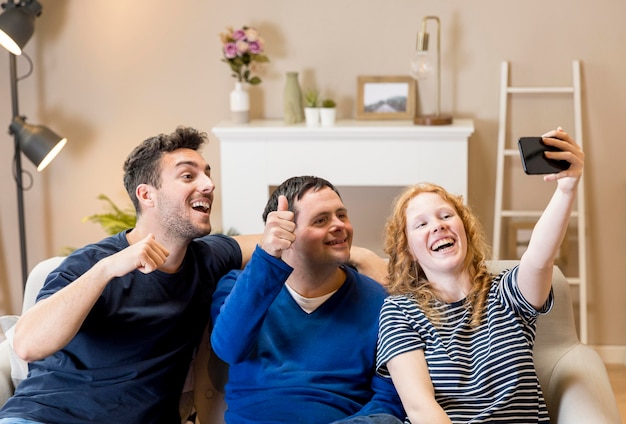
[[182, 228]]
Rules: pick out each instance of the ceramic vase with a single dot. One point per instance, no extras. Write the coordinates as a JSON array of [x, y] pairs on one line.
[[294, 112], [239, 104]]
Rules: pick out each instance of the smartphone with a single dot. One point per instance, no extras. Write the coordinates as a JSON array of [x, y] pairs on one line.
[[534, 161]]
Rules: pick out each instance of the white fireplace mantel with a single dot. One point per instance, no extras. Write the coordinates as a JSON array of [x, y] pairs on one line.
[[262, 154]]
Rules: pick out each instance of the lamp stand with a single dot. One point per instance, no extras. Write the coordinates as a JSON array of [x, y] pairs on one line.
[[422, 45], [18, 171]]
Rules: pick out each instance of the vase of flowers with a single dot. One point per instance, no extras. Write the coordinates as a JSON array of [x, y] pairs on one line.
[[243, 50]]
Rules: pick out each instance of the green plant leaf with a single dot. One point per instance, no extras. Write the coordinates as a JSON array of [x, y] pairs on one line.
[[261, 58], [311, 97], [328, 103], [115, 220]]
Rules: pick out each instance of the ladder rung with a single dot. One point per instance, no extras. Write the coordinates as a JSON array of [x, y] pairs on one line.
[[521, 214], [528, 214], [511, 152], [573, 281], [540, 90]]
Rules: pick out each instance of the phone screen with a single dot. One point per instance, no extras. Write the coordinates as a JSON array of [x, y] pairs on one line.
[[534, 161]]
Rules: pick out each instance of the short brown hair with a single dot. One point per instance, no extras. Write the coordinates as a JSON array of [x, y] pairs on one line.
[[143, 165]]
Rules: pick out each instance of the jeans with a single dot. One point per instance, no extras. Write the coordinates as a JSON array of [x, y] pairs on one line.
[[369, 419]]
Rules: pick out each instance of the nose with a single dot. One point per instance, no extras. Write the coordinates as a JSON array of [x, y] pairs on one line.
[[206, 184], [439, 225], [338, 223]]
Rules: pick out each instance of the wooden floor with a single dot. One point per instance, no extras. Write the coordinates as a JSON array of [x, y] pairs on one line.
[[617, 374]]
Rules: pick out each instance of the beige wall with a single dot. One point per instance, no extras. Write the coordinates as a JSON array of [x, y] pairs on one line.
[[109, 73]]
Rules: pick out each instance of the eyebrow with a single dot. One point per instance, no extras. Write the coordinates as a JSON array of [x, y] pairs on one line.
[[333, 212], [192, 163]]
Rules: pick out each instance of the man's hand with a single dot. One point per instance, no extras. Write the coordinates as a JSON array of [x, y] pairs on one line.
[[52, 322], [369, 263], [146, 255], [279, 229]]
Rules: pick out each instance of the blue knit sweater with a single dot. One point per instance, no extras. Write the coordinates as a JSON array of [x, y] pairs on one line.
[[288, 366]]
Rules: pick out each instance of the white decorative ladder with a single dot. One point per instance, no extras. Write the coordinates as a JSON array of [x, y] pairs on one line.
[[503, 152]]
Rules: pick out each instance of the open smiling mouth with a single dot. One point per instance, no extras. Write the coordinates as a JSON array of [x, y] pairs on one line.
[[334, 242], [201, 206], [442, 244]]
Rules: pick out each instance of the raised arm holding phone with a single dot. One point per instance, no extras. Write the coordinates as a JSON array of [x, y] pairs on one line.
[[456, 341]]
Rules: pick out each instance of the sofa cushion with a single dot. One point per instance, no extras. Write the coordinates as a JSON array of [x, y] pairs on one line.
[[19, 367]]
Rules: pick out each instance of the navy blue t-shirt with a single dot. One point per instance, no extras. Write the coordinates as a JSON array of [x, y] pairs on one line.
[[128, 362]]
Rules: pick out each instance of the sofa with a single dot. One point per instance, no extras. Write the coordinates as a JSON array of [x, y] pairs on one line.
[[572, 375]]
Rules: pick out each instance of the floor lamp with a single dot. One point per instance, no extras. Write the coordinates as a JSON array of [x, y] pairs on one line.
[[38, 143]]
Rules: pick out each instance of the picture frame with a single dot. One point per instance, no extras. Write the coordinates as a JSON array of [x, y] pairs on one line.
[[385, 97]]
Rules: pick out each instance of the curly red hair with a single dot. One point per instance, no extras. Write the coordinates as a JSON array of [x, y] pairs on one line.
[[406, 276]]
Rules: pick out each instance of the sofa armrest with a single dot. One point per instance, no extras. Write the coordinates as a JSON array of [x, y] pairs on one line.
[[579, 389], [209, 380], [6, 384]]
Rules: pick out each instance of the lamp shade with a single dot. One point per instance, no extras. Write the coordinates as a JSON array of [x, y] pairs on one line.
[[39, 143], [17, 25]]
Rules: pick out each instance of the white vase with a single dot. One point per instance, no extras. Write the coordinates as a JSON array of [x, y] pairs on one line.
[[312, 116], [328, 116], [239, 104]]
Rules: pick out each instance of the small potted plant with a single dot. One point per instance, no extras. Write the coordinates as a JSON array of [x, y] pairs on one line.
[[311, 107], [328, 113]]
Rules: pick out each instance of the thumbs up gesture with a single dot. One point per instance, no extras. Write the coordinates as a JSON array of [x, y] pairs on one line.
[[279, 229]]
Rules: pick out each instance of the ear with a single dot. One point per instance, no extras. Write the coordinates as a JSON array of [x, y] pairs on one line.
[[145, 194]]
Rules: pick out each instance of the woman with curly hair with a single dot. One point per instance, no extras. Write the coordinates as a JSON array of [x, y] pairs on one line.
[[456, 341]]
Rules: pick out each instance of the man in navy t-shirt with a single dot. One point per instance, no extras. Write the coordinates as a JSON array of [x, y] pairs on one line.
[[112, 334]]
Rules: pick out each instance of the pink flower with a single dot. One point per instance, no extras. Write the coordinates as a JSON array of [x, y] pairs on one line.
[[243, 52], [255, 47], [251, 34], [242, 46], [230, 50], [239, 35]]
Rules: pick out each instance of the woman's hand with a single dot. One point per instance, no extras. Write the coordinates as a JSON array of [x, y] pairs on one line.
[[571, 152]]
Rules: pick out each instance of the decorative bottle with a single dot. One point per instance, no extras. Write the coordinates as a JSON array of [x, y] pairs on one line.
[[294, 112]]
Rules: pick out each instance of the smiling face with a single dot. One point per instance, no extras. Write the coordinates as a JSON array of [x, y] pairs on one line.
[[184, 199], [323, 231], [435, 234]]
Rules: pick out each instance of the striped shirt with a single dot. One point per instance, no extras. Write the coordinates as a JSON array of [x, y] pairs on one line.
[[482, 374]]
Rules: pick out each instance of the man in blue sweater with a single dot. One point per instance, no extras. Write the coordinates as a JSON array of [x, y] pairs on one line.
[[297, 326]]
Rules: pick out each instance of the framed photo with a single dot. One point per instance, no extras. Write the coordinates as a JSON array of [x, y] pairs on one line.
[[385, 97]]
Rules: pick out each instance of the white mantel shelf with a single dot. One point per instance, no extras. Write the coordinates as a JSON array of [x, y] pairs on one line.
[[263, 153], [344, 129]]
